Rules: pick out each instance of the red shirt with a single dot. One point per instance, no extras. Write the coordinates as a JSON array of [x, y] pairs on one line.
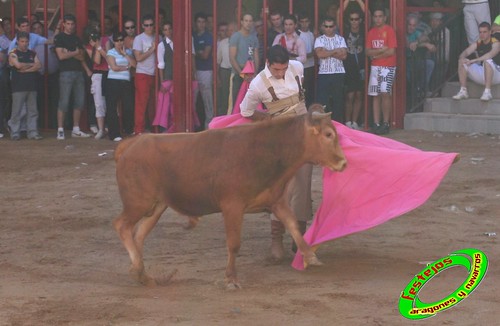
[[378, 38]]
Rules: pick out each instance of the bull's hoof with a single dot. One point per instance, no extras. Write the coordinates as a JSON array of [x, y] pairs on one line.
[[141, 277], [312, 261], [232, 286], [191, 223]]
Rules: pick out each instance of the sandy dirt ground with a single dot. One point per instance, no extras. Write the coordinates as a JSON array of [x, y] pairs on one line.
[[61, 262]]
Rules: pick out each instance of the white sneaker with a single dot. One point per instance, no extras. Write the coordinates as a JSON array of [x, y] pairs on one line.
[[60, 135], [117, 139], [99, 134], [348, 124], [355, 126], [486, 96], [79, 134], [461, 95], [94, 129], [1, 135]]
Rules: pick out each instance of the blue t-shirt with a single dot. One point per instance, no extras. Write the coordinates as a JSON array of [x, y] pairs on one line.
[[35, 40], [200, 42], [245, 47], [120, 60]]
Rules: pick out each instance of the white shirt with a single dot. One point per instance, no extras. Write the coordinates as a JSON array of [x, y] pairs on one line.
[[257, 92], [143, 43], [308, 38], [223, 54], [161, 52], [330, 65]]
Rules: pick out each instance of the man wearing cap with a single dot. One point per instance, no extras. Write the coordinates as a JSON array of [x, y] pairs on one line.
[[279, 88]]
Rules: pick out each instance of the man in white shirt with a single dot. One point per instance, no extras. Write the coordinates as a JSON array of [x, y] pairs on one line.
[[331, 49], [224, 69], [307, 36], [279, 88]]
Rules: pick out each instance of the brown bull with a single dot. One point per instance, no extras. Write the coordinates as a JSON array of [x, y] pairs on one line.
[[235, 170]]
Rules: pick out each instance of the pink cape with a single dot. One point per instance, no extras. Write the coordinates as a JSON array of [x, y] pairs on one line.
[[383, 179], [164, 116], [248, 69]]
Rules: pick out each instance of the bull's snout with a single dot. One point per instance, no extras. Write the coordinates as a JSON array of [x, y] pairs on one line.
[[341, 165]]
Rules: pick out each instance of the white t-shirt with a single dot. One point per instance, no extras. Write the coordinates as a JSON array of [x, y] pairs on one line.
[[308, 38], [330, 65], [143, 43], [257, 92]]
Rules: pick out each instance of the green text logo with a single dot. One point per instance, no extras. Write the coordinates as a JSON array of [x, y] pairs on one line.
[[473, 260]]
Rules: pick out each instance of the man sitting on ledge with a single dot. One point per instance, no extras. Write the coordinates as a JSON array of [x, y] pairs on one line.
[[485, 68]]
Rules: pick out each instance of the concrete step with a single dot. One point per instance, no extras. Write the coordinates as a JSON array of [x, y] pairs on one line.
[[475, 90], [468, 106], [445, 122]]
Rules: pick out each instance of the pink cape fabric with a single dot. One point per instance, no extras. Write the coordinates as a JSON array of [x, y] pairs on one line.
[[164, 116], [383, 179], [249, 69]]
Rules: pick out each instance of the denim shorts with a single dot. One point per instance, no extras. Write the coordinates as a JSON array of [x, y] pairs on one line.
[[71, 85]]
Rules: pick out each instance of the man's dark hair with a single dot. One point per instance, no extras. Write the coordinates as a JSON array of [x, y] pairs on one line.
[[21, 20], [21, 35], [36, 23], [329, 19], [69, 17], [200, 15], [277, 54], [128, 19], [304, 16], [274, 13], [223, 23], [147, 17], [290, 17], [485, 24], [379, 9]]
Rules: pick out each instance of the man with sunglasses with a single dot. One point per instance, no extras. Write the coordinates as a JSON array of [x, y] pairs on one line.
[[129, 28], [381, 46], [355, 69], [144, 49], [331, 49]]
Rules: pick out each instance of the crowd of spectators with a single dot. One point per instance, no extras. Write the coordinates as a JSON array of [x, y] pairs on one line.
[[108, 67]]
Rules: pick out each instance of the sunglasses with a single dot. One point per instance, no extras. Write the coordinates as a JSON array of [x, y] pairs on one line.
[[328, 26], [354, 19], [148, 25], [129, 27], [119, 40]]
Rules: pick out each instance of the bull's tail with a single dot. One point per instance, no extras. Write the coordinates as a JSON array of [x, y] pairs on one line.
[[122, 147]]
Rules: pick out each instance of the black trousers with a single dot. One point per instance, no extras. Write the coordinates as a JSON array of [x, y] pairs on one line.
[[119, 91]]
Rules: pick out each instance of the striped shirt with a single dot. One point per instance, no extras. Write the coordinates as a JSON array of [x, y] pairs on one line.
[[330, 65]]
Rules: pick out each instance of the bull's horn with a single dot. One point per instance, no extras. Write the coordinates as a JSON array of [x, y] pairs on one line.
[[319, 115]]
